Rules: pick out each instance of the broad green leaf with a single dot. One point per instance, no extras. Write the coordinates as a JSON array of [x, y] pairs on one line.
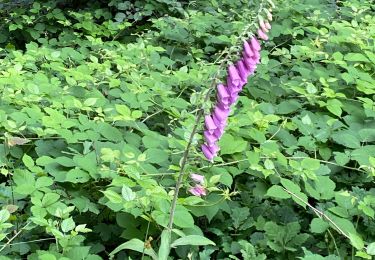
[[371, 249], [356, 241], [230, 144], [334, 106], [318, 225], [277, 192], [4, 215], [356, 57], [113, 196], [192, 240], [127, 193], [67, 225], [28, 161], [135, 245]]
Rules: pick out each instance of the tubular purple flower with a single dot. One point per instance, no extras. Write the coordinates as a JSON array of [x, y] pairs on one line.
[[198, 190], [220, 113], [262, 35], [197, 178], [219, 132], [213, 148], [255, 44], [263, 26], [220, 123], [210, 125], [232, 88], [233, 98], [243, 71], [209, 137], [250, 64], [223, 95], [235, 79], [207, 153], [247, 49]]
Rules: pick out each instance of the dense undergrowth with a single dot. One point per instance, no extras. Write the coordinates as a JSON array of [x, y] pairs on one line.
[[98, 99]]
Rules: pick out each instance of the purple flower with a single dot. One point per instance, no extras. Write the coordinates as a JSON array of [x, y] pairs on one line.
[[197, 178], [250, 64], [262, 35], [210, 138], [232, 88], [247, 49], [198, 190], [213, 148], [210, 125], [233, 99], [255, 44], [222, 94], [219, 132], [243, 71], [221, 113], [207, 153], [235, 79]]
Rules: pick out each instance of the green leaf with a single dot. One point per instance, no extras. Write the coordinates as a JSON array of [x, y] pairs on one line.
[[28, 161], [356, 241], [310, 164], [230, 145], [277, 191], [43, 182], [356, 57], [183, 218], [346, 139], [113, 196], [192, 240], [318, 225], [67, 225], [165, 245], [288, 107], [135, 245], [4, 215], [334, 106], [127, 193], [156, 155], [371, 249], [49, 199]]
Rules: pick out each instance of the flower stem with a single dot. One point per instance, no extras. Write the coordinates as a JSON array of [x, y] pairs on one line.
[[227, 55]]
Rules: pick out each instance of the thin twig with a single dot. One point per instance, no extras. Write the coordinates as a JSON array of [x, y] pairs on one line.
[[13, 237], [28, 242], [288, 157], [318, 212]]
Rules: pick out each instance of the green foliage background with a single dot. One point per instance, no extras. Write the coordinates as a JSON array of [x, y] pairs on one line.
[[97, 103]]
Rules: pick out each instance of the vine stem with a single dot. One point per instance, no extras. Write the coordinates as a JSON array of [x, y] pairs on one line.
[[226, 53]]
